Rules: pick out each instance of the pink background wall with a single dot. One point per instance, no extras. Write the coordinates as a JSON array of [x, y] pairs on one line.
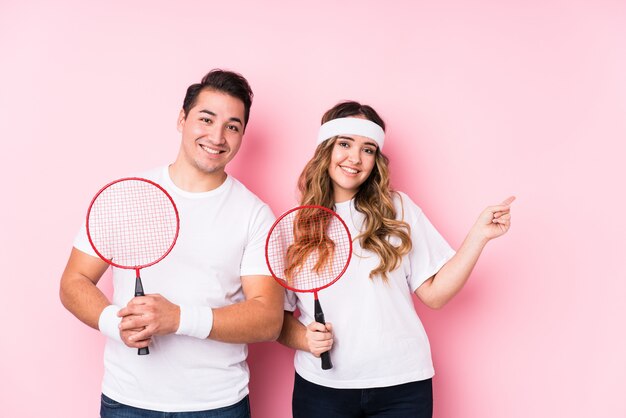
[[483, 99]]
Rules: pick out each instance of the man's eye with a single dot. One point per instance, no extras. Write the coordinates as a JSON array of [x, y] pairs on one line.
[[233, 128], [205, 120]]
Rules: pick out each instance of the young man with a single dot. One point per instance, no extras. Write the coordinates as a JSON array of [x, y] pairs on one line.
[[208, 298]]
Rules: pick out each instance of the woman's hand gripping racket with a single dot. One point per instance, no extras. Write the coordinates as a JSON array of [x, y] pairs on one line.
[[132, 223], [307, 249]]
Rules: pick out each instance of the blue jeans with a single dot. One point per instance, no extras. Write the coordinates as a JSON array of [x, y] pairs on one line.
[[112, 409], [409, 400]]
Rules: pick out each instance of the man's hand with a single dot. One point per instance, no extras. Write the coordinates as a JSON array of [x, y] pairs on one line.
[[145, 316], [134, 343]]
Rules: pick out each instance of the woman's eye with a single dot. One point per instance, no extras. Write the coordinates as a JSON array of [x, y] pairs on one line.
[[369, 151], [343, 144]]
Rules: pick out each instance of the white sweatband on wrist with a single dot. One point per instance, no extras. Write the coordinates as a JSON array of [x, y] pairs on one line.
[[352, 126], [109, 322], [195, 321]]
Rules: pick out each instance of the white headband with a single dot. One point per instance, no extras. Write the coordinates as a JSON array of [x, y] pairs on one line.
[[352, 126]]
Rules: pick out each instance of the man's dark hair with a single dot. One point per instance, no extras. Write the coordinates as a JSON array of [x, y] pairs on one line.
[[227, 82]]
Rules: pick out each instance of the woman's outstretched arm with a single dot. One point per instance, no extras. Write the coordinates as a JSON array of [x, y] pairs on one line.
[[493, 222]]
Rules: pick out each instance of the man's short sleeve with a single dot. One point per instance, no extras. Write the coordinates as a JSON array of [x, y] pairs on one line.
[[81, 242], [253, 260]]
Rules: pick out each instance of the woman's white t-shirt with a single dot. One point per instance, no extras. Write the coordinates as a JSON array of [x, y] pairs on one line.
[[378, 338]]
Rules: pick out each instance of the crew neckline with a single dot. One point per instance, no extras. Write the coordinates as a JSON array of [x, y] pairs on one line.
[[194, 195], [344, 205]]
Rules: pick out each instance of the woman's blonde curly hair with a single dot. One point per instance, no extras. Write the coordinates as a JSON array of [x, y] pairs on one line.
[[374, 198]]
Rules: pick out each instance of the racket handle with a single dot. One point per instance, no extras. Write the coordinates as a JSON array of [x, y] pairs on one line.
[[326, 363], [139, 287], [319, 317], [139, 292]]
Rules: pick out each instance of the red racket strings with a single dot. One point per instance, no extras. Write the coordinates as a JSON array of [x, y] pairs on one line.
[[132, 223], [308, 248]]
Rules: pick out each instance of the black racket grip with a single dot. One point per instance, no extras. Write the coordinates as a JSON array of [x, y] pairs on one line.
[[139, 292], [319, 317]]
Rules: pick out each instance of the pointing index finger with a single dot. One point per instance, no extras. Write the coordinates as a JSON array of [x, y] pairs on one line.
[[509, 200]]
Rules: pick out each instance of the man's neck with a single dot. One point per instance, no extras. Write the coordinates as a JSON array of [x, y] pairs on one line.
[[193, 180]]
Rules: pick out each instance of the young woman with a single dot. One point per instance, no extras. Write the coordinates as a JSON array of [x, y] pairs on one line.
[[381, 358]]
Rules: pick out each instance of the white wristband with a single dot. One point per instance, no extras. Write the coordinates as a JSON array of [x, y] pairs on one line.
[[195, 321], [109, 322]]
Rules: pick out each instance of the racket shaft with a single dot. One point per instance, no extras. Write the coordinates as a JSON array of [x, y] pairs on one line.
[[139, 292], [319, 317]]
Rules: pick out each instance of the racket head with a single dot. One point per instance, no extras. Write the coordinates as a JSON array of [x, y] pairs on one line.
[[132, 223], [306, 232]]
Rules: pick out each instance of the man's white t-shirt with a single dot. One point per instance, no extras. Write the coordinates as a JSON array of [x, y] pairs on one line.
[[221, 238], [378, 338]]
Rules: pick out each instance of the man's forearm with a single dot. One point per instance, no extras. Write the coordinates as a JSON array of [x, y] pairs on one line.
[[247, 322], [82, 298]]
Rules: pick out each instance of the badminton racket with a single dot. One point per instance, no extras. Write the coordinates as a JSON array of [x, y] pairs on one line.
[[308, 249], [132, 223]]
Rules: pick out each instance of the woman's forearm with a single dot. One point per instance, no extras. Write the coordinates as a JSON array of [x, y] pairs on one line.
[[293, 333], [450, 279]]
